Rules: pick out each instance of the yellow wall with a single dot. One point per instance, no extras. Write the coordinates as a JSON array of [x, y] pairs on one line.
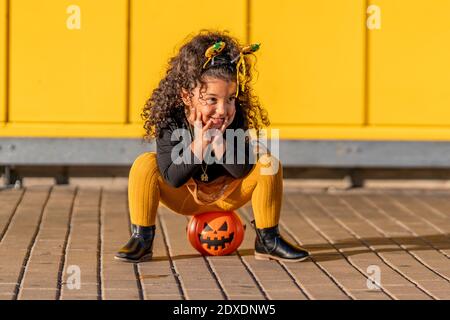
[[3, 48], [409, 71], [311, 65], [64, 72], [322, 73]]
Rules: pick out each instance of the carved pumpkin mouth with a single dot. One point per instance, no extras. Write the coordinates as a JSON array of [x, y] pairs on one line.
[[216, 242]]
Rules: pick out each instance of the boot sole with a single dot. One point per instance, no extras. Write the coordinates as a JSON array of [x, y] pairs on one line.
[[263, 256], [144, 258]]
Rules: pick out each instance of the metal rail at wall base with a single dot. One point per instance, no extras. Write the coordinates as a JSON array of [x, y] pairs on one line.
[[352, 154]]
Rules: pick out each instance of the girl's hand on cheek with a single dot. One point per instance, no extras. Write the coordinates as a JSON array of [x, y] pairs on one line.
[[201, 139], [217, 142]]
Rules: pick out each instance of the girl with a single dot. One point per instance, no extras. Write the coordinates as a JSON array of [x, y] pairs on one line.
[[206, 90]]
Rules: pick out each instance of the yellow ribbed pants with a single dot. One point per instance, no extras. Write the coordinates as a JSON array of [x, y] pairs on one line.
[[147, 188]]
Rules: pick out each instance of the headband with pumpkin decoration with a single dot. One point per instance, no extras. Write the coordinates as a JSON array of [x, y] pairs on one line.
[[241, 71]]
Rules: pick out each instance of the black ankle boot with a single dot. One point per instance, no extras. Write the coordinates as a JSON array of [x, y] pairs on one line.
[[269, 244], [139, 247]]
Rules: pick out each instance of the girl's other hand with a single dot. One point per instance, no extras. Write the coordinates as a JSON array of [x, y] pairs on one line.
[[217, 143]]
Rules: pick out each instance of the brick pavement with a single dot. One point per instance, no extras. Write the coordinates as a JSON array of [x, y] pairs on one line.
[[50, 235]]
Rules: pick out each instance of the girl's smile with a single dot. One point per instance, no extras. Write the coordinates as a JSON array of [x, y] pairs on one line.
[[215, 102], [217, 122]]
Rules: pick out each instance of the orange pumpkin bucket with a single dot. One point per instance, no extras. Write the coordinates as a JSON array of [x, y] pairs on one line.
[[215, 233]]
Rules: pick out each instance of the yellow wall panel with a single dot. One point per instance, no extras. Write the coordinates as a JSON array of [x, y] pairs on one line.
[[68, 61], [3, 49], [409, 65], [311, 61], [154, 40]]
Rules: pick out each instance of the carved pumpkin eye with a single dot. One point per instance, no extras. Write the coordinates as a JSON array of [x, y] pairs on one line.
[[206, 227], [224, 227]]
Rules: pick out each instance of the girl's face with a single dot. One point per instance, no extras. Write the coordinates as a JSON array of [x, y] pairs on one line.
[[217, 101]]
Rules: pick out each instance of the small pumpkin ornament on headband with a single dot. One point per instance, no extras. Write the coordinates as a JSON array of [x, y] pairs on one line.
[[215, 233], [213, 51]]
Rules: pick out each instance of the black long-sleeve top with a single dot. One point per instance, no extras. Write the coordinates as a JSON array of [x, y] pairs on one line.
[[177, 175]]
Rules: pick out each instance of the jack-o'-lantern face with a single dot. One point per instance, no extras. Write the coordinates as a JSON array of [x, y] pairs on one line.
[[215, 233], [215, 238]]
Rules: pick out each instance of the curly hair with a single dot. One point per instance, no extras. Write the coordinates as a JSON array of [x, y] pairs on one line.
[[185, 72]]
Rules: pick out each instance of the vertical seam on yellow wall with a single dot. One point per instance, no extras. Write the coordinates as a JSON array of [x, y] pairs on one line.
[[248, 29], [366, 67], [6, 62], [128, 65]]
